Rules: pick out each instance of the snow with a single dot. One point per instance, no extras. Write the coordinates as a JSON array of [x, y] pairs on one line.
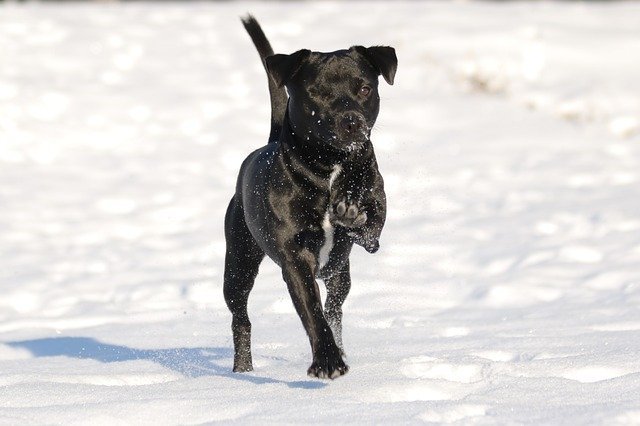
[[506, 289]]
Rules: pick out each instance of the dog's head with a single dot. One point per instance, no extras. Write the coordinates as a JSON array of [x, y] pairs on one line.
[[334, 96]]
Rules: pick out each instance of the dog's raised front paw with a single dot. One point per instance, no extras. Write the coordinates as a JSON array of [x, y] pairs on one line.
[[348, 214], [328, 366], [364, 239]]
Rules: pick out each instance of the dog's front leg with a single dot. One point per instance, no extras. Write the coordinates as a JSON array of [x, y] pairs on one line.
[[359, 205], [368, 236], [338, 286], [303, 288]]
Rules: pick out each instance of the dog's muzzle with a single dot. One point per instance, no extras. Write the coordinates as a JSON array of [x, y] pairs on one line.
[[353, 127]]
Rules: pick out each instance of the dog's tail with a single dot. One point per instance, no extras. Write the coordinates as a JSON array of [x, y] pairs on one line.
[[277, 94]]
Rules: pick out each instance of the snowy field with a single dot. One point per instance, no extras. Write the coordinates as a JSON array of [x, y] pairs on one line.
[[507, 287]]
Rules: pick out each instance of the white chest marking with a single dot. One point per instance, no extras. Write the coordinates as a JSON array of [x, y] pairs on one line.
[[334, 174], [325, 250]]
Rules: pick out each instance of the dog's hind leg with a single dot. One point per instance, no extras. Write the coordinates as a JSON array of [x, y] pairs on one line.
[[338, 286], [242, 260]]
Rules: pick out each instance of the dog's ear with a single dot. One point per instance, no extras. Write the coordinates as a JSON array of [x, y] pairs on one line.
[[283, 67], [383, 59]]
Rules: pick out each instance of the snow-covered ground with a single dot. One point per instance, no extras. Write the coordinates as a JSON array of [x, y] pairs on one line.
[[507, 288]]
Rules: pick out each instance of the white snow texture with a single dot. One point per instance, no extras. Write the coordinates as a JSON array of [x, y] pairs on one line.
[[507, 286]]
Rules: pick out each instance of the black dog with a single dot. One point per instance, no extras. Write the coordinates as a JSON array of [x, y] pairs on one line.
[[312, 192]]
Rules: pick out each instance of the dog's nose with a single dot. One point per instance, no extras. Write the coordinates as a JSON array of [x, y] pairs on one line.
[[350, 124]]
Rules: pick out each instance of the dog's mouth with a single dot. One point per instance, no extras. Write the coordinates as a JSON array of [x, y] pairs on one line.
[[349, 145]]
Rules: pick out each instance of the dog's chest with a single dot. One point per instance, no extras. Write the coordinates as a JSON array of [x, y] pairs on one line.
[[327, 227]]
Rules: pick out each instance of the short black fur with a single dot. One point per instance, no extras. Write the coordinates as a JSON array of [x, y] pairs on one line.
[[306, 197]]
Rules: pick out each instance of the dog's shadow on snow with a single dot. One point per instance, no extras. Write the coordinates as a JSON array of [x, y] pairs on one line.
[[190, 362]]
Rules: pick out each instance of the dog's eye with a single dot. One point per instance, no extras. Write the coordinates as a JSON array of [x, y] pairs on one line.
[[365, 90]]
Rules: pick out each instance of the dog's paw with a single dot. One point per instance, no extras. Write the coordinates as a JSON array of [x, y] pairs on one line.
[[364, 239], [328, 366], [348, 214]]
